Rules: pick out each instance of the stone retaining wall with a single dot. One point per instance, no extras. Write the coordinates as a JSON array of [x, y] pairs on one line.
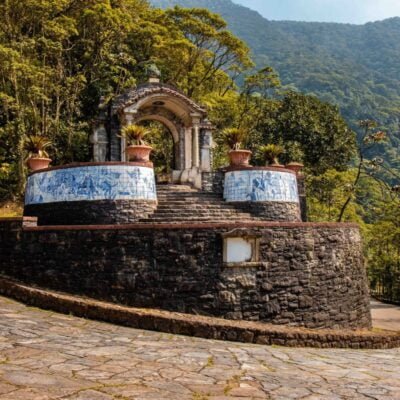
[[308, 275]]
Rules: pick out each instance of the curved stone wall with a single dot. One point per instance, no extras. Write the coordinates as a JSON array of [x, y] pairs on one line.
[[308, 275], [91, 193], [100, 212], [271, 210], [270, 193]]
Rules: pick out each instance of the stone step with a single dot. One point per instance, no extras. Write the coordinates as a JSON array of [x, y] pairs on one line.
[[175, 188], [190, 214], [159, 222], [206, 213], [215, 204], [181, 203], [189, 196], [180, 191], [198, 210], [191, 200], [204, 206], [192, 219]]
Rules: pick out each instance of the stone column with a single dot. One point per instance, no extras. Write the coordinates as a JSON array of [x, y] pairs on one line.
[[99, 141], [195, 146], [128, 120], [205, 150], [188, 148], [301, 185], [181, 164]]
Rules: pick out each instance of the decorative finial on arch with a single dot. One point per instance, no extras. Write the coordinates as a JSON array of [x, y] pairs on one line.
[[153, 73]]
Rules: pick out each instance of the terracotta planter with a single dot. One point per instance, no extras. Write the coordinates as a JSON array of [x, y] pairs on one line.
[[36, 163], [295, 167], [275, 164], [239, 157], [140, 153]]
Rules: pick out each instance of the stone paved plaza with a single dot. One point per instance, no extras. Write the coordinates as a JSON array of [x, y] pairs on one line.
[[44, 355]]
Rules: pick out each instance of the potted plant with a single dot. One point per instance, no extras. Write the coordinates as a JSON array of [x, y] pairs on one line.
[[36, 147], [270, 154], [233, 138], [136, 147]]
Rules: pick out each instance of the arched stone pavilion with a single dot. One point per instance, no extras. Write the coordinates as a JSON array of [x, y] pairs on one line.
[[229, 243], [186, 121]]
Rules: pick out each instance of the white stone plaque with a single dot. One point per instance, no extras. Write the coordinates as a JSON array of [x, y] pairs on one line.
[[238, 250]]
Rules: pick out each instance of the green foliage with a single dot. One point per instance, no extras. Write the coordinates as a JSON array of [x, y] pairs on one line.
[[310, 131], [384, 252], [270, 153], [135, 134], [36, 146], [318, 130], [234, 137], [163, 155], [328, 192], [211, 50]]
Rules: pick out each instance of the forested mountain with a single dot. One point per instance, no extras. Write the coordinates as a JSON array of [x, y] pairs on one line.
[[354, 66]]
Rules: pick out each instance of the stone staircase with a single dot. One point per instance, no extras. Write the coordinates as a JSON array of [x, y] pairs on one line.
[[182, 203]]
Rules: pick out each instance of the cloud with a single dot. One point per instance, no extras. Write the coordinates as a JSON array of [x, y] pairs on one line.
[[354, 11]]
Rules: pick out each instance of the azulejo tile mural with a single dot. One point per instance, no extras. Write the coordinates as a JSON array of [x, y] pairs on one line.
[[260, 185], [104, 182]]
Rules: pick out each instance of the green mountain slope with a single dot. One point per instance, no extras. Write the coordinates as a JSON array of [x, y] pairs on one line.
[[354, 66]]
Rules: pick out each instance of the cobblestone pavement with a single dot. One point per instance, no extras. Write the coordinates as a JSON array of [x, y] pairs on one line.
[[44, 355]]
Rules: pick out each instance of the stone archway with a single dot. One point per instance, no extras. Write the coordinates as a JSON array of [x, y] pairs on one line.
[[185, 119]]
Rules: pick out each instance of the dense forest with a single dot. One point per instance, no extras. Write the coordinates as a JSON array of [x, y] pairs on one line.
[[353, 66], [59, 57]]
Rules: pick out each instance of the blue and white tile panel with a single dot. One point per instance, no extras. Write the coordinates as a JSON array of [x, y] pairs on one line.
[[104, 182], [260, 185]]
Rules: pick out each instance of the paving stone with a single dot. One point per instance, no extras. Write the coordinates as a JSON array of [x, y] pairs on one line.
[[27, 394], [90, 395], [74, 359], [6, 388]]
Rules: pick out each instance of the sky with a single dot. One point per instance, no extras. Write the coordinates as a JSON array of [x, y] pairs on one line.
[[347, 11]]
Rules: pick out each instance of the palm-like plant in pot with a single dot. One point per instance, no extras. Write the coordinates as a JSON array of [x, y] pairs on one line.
[[36, 146], [136, 147], [270, 153], [233, 138]]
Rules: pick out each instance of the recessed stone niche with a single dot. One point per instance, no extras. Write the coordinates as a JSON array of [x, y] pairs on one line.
[[241, 248]]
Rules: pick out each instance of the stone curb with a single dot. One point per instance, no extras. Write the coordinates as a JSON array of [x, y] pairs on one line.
[[197, 326]]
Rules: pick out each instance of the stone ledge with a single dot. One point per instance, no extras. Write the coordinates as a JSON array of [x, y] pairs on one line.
[[148, 164], [183, 225], [233, 168], [197, 326], [245, 264]]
